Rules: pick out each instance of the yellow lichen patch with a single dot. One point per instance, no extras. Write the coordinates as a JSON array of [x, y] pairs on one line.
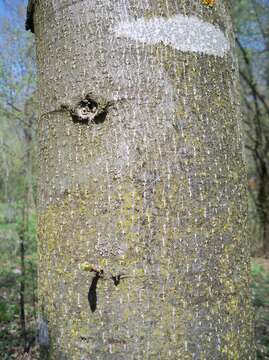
[[231, 347], [233, 305], [131, 210], [103, 263], [209, 2], [132, 200], [89, 267], [48, 228]]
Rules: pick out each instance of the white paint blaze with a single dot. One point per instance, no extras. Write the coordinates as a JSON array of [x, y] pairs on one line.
[[184, 33]]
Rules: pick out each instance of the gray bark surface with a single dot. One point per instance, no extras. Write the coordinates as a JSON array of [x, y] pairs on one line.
[[142, 199]]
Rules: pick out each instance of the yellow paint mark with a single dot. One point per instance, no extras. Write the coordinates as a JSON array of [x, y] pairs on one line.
[[209, 2]]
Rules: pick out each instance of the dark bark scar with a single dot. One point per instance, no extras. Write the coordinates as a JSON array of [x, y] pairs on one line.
[[90, 109], [92, 294]]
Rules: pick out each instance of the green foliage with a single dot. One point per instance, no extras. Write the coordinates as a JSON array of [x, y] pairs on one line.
[[17, 109], [260, 289], [7, 214], [17, 180], [10, 277], [8, 311]]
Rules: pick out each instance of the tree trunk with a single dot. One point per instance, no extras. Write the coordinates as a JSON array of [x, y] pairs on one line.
[[22, 235], [144, 252]]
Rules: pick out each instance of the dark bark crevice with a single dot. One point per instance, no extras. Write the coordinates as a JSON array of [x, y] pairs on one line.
[[92, 294]]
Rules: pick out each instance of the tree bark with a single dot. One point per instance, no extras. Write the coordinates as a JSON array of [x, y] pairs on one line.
[[143, 244]]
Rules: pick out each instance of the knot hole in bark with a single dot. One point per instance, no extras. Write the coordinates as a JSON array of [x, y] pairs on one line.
[[116, 279], [90, 110]]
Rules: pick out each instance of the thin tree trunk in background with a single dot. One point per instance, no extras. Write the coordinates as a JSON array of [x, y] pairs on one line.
[[23, 231], [22, 235], [143, 248], [6, 167], [27, 200], [265, 219], [262, 203], [32, 271]]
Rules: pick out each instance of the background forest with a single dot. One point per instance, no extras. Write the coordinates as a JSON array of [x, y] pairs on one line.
[[18, 117]]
